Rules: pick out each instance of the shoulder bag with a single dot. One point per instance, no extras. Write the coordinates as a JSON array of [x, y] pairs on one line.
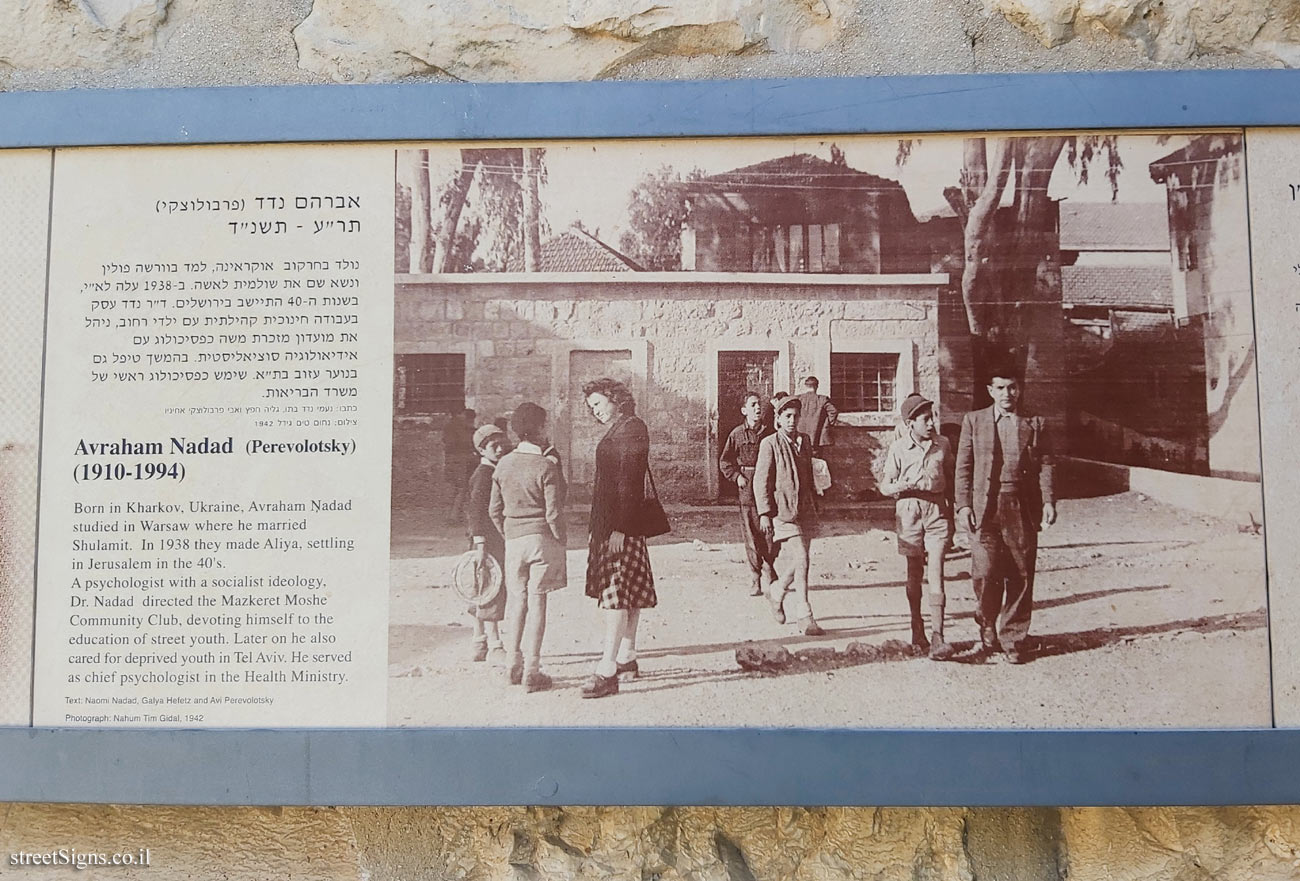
[[654, 521]]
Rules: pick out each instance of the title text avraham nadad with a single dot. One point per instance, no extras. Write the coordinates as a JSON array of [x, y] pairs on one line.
[[208, 445]]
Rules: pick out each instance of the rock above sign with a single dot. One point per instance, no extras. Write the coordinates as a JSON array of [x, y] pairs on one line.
[[481, 40], [1170, 30], [89, 34]]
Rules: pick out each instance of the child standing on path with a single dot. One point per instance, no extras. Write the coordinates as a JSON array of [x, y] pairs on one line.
[[787, 507], [916, 469], [736, 462], [528, 496], [485, 538]]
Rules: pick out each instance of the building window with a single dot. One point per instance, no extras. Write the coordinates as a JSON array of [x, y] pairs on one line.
[[797, 248], [426, 384], [864, 382]]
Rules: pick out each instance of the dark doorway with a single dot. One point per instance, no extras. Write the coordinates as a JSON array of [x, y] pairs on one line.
[[740, 372]]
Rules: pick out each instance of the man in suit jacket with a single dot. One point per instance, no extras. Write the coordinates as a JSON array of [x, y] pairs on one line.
[[816, 415], [1004, 496]]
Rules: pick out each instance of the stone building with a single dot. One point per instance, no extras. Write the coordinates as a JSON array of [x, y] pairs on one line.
[[800, 213], [1210, 249], [793, 266], [1136, 378], [688, 344]]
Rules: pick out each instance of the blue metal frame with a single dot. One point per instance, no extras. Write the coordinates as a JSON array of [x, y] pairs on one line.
[[986, 102], [651, 766]]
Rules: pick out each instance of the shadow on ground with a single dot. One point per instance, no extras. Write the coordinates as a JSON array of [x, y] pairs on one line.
[[773, 657]]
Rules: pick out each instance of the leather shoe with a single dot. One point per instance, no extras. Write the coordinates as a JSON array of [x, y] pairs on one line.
[[537, 681], [515, 674], [776, 605], [600, 686], [940, 650], [628, 667], [1015, 655], [812, 628], [989, 640]]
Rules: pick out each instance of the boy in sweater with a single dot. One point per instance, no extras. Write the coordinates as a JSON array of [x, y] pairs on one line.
[[528, 496], [485, 538]]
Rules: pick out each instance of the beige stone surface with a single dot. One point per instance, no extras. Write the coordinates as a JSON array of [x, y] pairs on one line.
[[91, 34], [667, 844], [1164, 844], [544, 40], [55, 44], [401, 844], [183, 842], [671, 844], [1168, 30]]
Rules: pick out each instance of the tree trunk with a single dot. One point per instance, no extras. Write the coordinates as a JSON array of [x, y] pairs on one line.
[[421, 255], [975, 169], [532, 210], [979, 229], [1011, 277], [452, 203]]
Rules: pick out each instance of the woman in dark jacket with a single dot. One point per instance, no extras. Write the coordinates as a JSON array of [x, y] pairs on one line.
[[618, 565]]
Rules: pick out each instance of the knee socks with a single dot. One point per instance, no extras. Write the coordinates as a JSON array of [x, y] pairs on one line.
[[936, 617], [915, 580]]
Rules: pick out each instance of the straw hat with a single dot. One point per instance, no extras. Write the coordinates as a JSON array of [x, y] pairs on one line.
[[474, 583]]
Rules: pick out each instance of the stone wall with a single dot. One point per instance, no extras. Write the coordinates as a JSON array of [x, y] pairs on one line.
[[51, 44], [55, 44], [666, 844], [518, 334]]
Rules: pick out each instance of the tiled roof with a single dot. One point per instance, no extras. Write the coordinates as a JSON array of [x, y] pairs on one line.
[[1134, 326], [801, 170], [577, 251], [1117, 286], [1205, 148], [1118, 226]]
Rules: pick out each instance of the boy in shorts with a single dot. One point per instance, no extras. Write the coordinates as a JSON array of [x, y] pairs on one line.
[[527, 506], [916, 469], [485, 538]]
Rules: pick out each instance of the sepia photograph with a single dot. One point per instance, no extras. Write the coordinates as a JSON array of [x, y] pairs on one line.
[[865, 432]]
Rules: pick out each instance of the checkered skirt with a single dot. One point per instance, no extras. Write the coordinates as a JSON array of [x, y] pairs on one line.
[[621, 581]]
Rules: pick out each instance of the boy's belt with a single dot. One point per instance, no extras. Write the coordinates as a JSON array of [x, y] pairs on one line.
[[936, 498]]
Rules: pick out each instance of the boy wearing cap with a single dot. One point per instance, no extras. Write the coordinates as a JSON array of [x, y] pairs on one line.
[[915, 473], [485, 538]]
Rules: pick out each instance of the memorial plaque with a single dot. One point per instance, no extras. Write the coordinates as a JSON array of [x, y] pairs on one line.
[[284, 395]]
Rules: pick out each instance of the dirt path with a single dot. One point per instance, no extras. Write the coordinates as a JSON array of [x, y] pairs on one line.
[[1145, 616]]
